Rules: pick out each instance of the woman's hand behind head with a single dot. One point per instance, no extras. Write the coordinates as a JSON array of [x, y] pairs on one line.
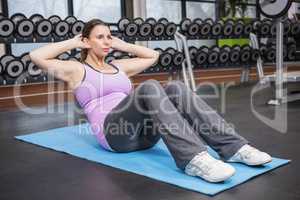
[[80, 43], [119, 44]]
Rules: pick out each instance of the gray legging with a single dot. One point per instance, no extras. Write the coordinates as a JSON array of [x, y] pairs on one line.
[[174, 113]]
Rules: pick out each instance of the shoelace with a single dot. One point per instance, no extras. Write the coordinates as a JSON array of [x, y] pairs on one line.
[[204, 163]]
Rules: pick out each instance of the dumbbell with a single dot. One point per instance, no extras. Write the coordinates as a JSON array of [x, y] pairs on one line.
[[6, 26], [255, 53], [60, 27], [75, 26], [271, 54], [151, 22], [122, 24], [213, 55], [177, 57], [245, 55], [265, 28], [174, 63], [263, 49], [170, 27], [54, 19], [193, 52], [202, 56], [43, 27], [13, 68], [33, 71], [144, 28], [286, 27], [256, 25], [129, 28], [159, 27], [217, 28], [248, 28], [206, 27], [25, 59], [223, 54], [271, 43], [291, 49], [24, 26], [165, 59], [228, 27], [238, 29], [189, 27], [234, 55]]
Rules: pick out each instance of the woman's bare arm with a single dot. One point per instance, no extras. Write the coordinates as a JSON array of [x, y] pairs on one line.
[[44, 57], [145, 57]]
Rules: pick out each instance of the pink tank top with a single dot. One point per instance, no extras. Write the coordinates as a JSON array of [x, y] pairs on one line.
[[98, 93]]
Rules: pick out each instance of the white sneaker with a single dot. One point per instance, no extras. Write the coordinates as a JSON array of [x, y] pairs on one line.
[[250, 156], [209, 168]]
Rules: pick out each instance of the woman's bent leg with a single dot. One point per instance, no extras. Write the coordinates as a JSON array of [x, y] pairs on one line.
[[207, 122], [149, 101]]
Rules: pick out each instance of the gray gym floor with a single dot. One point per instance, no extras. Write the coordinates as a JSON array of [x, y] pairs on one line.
[[32, 172]]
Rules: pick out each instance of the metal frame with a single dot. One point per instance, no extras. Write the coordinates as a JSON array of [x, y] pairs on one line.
[[70, 7], [5, 13], [187, 71]]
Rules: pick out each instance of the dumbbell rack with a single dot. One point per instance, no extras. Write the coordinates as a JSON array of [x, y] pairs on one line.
[[280, 77]]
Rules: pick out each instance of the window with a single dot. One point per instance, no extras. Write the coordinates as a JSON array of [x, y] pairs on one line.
[[200, 10], [108, 11], [44, 7], [169, 9]]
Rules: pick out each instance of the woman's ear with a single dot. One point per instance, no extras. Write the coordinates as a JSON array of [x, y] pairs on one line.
[[86, 42]]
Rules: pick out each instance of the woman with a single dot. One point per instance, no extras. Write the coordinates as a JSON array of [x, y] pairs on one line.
[[126, 119]]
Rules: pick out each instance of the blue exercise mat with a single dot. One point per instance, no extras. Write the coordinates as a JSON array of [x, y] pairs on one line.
[[155, 163]]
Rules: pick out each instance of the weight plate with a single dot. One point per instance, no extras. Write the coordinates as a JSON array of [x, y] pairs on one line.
[[122, 23], [14, 68], [131, 29], [34, 70], [145, 29], [158, 29], [77, 27], [6, 27], [274, 8], [44, 28], [54, 19], [25, 28]]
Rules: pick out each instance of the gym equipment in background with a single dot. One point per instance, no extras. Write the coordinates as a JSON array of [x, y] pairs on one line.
[[276, 9]]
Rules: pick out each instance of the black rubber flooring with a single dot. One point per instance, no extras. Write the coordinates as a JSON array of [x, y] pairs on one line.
[[34, 173]]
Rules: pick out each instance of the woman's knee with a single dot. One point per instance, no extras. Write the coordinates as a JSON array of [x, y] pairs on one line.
[[175, 87], [151, 86]]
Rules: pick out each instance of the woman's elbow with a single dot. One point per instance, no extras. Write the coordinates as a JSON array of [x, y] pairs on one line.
[[156, 56], [32, 57]]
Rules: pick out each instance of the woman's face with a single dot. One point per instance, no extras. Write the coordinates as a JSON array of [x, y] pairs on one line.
[[100, 40]]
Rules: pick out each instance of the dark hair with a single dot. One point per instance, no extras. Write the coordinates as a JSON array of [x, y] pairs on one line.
[[87, 29]]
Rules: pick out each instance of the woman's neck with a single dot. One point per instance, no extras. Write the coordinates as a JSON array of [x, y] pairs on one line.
[[95, 61]]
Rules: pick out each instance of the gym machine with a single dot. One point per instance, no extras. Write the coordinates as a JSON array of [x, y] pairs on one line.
[[277, 9]]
